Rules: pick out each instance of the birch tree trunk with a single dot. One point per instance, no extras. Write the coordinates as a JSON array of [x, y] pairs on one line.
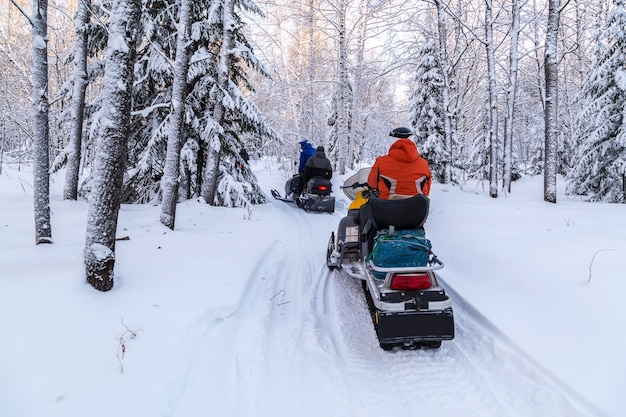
[[493, 102], [309, 101], [510, 97], [552, 103], [171, 174], [41, 133], [445, 91], [209, 185], [109, 165], [70, 190], [343, 96]]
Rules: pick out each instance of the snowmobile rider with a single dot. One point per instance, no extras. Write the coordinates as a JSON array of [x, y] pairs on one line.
[[402, 173], [306, 151], [318, 166], [297, 182]]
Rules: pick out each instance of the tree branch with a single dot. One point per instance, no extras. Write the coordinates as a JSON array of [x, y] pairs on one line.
[[23, 12]]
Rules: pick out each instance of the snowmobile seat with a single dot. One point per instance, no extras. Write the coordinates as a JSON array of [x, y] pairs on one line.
[[378, 214], [408, 213]]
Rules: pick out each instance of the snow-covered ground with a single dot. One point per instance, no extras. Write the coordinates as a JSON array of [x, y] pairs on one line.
[[235, 313]]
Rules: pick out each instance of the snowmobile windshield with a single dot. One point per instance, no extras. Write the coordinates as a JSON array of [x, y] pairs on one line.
[[359, 178]]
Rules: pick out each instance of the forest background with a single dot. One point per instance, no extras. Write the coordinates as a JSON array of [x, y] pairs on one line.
[[152, 100]]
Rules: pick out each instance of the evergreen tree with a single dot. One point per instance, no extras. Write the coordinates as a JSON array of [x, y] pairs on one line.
[[203, 129], [427, 110], [600, 161]]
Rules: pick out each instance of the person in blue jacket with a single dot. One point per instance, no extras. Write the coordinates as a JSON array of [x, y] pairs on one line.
[[297, 183], [306, 151]]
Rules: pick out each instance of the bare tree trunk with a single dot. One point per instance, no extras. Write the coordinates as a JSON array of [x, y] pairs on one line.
[[493, 102], [70, 191], [209, 185], [104, 201], [552, 102], [510, 97], [41, 133], [171, 174], [309, 101], [343, 96], [359, 114], [445, 91]]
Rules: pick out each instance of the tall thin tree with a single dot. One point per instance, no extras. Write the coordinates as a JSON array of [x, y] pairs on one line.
[[510, 96], [552, 102], [170, 180], [214, 153], [493, 101], [70, 191], [41, 134]]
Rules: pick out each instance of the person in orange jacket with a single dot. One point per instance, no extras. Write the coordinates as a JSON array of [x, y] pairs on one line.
[[402, 173]]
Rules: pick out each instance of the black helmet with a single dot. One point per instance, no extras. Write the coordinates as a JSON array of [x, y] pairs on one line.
[[401, 132]]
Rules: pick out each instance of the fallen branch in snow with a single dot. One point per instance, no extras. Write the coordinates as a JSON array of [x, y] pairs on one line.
[[282, 299], [123, 238], [592, 259], [121, 347]]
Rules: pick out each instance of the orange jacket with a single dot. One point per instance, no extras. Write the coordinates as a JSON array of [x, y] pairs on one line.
[[401, 173]]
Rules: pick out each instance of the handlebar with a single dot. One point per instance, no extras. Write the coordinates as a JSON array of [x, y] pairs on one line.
[[357, 185]]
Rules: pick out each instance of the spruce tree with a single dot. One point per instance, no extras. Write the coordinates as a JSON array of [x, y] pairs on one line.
[[427, 110], [600, 161]]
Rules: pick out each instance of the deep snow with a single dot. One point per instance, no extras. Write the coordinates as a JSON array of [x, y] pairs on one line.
[[235, 313]]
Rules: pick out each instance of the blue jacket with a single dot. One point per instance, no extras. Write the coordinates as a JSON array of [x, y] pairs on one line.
[[306, 152]]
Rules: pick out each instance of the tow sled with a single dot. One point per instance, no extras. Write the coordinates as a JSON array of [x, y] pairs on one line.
[[316, 196], [383, 243]]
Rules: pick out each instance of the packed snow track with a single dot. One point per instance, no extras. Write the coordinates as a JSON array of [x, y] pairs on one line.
[[298, 324]]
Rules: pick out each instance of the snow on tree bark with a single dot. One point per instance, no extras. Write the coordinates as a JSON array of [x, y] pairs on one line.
[[343, 96], [104, 201], [445, 92], [493, 102], [41, 180], [210, 183], [70, 191], [552, 103], [510, 98], [170, 180]]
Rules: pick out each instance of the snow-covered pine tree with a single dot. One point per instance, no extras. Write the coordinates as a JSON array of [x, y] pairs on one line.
[[600, 160], [152, 98], [105, 198], [427, 113], [228, 181]]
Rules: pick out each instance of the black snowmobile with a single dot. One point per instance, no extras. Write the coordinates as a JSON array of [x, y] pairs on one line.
[[383, 243], [315, 197]]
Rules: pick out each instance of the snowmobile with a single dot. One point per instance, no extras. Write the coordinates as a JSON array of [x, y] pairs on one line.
[[383, 243], [316, 196]]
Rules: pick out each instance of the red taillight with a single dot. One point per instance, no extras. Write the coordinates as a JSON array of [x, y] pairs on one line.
[[409, 282], [322, 187]]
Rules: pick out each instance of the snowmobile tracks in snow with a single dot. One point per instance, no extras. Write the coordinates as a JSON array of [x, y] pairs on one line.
[[301, 334]]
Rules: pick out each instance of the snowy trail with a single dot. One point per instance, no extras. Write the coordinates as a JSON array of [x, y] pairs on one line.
[[298, 323]]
